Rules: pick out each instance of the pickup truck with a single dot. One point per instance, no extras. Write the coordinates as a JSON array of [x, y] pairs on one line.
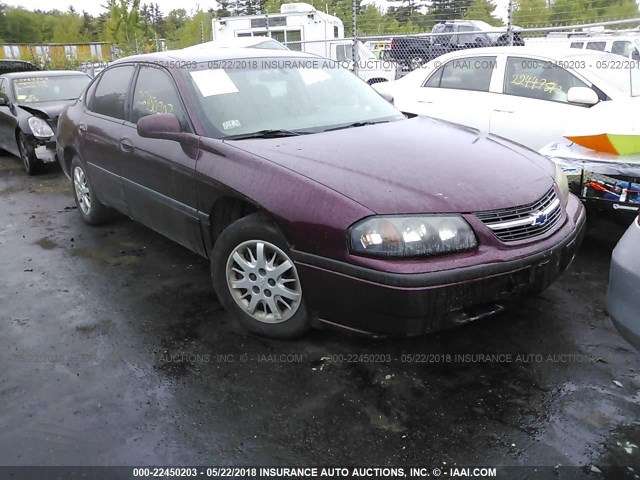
[[370, 68], [412, 51]]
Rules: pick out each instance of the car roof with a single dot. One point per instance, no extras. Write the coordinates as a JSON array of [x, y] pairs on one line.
[[10, 66], [233, 42], [44, 73], [549, 51], [204, 55]]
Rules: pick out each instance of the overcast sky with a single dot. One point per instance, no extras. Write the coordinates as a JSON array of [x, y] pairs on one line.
[[93, 6]]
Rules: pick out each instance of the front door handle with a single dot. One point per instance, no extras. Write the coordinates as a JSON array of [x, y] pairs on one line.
[[126, 145], [82, 129], [502, 111]]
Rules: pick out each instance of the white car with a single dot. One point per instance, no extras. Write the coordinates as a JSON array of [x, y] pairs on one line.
[[528, 95], [241, 42], [623, 299]]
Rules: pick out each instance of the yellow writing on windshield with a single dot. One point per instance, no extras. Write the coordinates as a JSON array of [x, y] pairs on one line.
[[535, 83], [31, 82], [151, 104]]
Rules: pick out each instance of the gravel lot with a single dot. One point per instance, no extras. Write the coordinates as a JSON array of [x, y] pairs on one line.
[[116, 352]]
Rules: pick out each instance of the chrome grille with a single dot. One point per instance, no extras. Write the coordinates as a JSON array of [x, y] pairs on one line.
[[526, 221]]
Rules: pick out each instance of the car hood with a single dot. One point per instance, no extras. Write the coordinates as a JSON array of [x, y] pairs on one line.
[[419, 165], [49, 109]]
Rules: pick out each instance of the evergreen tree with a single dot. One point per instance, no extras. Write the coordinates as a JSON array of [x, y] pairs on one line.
[[158, 20], [530, 13], [443, 10], [567, 12], [482, 10]]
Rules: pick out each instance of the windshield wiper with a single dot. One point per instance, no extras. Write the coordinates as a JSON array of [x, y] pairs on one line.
[[270, 133], [355, 124]]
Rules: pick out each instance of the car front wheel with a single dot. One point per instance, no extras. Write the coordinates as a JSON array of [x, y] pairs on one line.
[[256, 280], [91, 209], [29, 160]]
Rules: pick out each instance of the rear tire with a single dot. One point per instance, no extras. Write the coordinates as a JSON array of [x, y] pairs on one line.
[[256, 280], [92, 211]]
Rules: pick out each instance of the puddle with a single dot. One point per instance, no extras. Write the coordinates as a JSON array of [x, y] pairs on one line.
[[9, 190], [99, 327], [105, 257], [47, 243]]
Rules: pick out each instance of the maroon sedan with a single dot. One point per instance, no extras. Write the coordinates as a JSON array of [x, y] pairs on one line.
[[316, 201]]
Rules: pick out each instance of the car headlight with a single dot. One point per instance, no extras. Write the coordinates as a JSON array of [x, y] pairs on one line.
[[40, 128], [562, 182], [415, 236]]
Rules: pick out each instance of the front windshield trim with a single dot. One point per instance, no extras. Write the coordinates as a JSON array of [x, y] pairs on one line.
[[33, 80]]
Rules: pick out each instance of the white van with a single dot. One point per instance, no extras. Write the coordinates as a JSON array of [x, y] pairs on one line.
[[627, 45]]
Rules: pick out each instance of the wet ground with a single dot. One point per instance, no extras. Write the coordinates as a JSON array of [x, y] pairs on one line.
[[115, 351]]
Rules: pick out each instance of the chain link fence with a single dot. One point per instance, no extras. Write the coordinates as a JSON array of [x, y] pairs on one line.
[[377, 58]]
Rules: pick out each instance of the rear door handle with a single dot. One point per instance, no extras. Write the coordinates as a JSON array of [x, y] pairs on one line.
[[126, 145], [502, 111], [82, 129]]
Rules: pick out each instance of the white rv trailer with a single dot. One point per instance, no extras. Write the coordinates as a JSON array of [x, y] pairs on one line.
[[296, 22], [301, 27]]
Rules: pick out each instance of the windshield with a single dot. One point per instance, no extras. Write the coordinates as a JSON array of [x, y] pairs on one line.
[[613, 71], [49, 88], [297, 95]]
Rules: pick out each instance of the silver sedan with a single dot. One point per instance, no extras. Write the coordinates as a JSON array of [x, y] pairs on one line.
[[623, 299]]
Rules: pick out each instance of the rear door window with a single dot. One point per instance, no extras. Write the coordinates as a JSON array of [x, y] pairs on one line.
[[110, 97], [471, 73]]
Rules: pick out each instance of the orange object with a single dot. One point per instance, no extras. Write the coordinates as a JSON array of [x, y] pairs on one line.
[[599, 143]]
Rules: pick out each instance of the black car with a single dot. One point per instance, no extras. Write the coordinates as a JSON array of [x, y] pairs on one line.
[[30, 103], [12, 66]]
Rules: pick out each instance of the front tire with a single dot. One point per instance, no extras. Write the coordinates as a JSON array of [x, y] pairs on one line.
[[30, 162], [256, 280], [91, 209]]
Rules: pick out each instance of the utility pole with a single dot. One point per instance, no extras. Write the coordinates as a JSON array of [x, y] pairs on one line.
[[510, 22], [354, 47]]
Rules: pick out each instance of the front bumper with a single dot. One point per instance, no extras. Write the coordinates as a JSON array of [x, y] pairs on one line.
[[45, 150], [623, 299], [378, 303]]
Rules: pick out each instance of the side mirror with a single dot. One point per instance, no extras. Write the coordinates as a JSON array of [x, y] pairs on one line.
[[582, 96], [161, 125], [3, 102]]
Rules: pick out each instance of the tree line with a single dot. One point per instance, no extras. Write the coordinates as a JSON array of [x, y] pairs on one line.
[[135, 26]]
